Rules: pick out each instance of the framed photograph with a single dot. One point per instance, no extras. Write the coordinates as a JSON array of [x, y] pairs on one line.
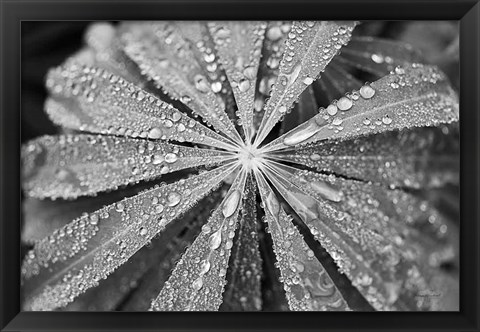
[[238, 166]]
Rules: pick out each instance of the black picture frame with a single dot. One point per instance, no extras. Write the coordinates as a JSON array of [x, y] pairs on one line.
[[13, 12]]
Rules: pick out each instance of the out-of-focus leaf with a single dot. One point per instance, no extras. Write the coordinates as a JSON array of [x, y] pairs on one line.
[[309, 48], [77, 165], [79, 255]]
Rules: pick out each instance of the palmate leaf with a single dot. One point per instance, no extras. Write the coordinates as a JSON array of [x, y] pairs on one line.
[[198, 280], [79, 255], [414, 96], [307, 285], [394, 263], [416, 158], [94, 100], [349, 223], [78, 165], [309, 48], [168, 59]]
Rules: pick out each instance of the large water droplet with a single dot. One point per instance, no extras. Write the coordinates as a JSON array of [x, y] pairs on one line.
[[326, 191], [216, 239], [244, 85], [231, 204], [272, 204], [155, 133], [301, 133], [174, 198], [367, 91], [171, 158], [344, 104], [198, 284], [205, 266]]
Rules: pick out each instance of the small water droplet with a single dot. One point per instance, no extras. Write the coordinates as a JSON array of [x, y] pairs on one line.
[[308, 80], [387, 120], [143, 231], [332, 109]]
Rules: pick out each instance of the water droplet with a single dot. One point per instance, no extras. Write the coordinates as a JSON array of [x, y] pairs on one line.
[[272, 204], [332, 109], [274, 33], [119, 207], [301, 133], [159, 208], [337, 121], [231, 204], [205, 267], [367, 91], [174, 198], [171, 158], [198, 284], [216, 87], [250, 73], [157, 159], [282, 108], [216, 239], [308, 80], [315, 156], [143, 231], [244, 85], [344, 104], [326, 191], [387, 120], [155, 133]]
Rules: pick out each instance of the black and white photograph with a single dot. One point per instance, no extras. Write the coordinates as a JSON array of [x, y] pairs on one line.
[[240, 166]]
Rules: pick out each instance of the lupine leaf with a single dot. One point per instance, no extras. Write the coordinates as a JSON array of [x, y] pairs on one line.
[[309, 48], [307, 285], [239, 46], [167, 58], [79, 255], [78, 165], [378, 56], [414, 96], [198, 280], [92, 99], [417, 158], [243, 289]]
